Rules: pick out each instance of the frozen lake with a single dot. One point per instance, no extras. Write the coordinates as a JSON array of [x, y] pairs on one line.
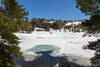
[[68, 43]]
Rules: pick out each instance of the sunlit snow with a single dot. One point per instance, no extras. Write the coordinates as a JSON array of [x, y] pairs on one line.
[[69, 43]]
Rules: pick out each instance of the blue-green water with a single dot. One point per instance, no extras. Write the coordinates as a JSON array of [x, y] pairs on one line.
[[44, 48]]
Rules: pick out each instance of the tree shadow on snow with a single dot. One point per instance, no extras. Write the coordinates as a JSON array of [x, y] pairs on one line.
[[45, 60]]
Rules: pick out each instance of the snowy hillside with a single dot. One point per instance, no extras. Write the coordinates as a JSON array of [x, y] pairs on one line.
[[73, 23]]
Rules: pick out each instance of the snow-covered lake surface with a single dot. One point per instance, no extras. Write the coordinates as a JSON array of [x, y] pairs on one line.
[[69, 43]]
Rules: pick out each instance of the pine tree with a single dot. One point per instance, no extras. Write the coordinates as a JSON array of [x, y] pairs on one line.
[[46, 26], [92, 8], [95, 45], [57, 25], [11, 17], [14, 12], [89, 7]]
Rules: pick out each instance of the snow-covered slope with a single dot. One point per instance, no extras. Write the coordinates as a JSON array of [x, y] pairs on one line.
[[68, 42], [73, 23]]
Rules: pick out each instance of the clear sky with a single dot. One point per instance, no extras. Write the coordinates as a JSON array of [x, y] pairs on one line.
[[56, 9]]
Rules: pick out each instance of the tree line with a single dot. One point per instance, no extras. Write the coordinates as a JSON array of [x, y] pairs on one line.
[[46, 24], [55, 25]]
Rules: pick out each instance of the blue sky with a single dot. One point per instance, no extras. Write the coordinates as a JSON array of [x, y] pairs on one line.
[[56, 9]]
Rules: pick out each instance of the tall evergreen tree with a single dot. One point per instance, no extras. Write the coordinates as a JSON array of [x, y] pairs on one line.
[[12, 15], [92, 8], [46, 26]]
